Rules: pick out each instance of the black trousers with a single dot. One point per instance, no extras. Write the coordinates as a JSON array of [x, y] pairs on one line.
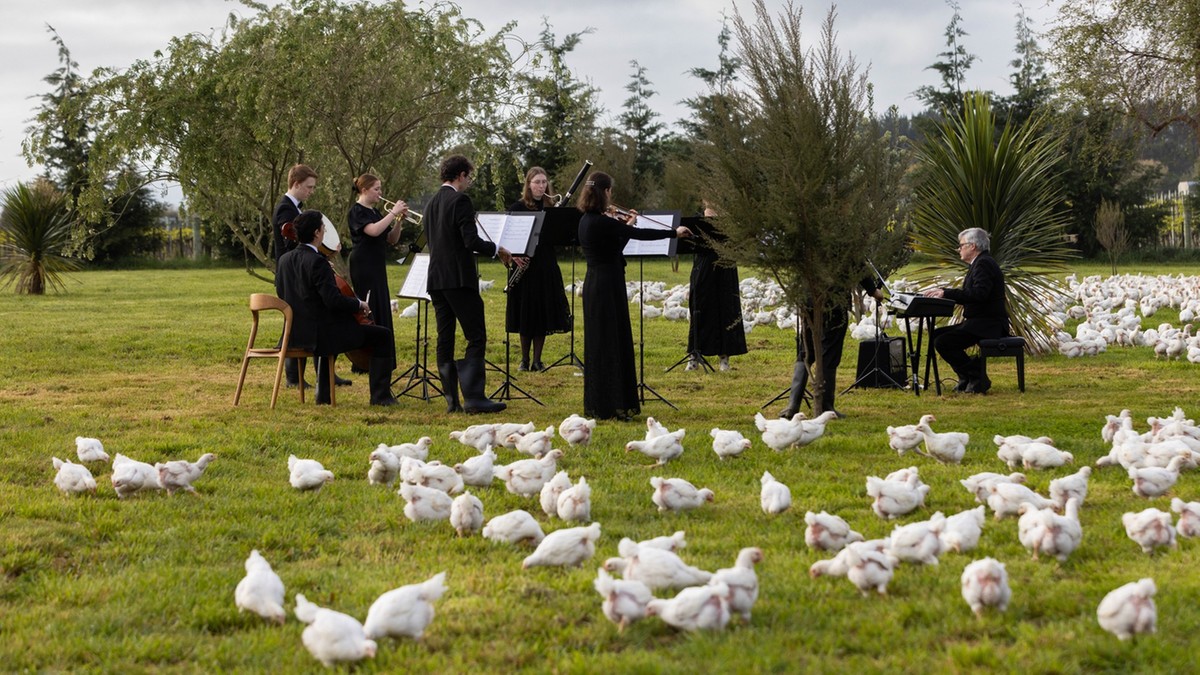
[[836, 323], [953, 341], [463, 306]]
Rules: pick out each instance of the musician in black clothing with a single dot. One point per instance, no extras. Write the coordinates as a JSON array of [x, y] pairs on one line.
[[836, 320], [373, 234], [715, 303], [323, 320], [985, 314], [537, 305]]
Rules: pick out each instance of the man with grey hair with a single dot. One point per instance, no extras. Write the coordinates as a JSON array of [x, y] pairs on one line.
[[984, 312]]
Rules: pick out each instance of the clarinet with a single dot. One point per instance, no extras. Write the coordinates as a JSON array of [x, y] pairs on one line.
[[514, 277]]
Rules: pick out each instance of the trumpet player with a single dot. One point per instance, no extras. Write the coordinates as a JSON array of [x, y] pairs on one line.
[[372, 234], [537, 305]]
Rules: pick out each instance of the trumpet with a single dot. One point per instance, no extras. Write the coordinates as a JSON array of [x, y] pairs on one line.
[[409, 215]]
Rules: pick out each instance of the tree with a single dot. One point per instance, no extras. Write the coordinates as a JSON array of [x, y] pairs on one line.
[[644, 135], [347, 88], [1141, 57], [808, 181], [64, 131], [1031, 85], [1110, 231], [35, 229], [1005, 183], [953, 69]]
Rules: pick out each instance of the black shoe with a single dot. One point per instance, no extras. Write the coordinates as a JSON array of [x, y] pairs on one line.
[[980, 386], [839, 415], [341, 381], [787, 414], [387, 401], [962, 386], [293, 385], [537, 366], [524, 366]]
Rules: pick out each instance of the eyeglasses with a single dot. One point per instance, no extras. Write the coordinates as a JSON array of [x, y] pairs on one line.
[[965, 244]]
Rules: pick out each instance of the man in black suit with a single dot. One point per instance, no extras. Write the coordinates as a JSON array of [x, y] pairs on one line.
[[453, 286], [323, 320], [985, 314]]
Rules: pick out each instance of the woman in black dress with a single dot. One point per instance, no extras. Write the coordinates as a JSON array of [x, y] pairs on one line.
[[372, 234], [609, 376], [715, 306], [537, 304]]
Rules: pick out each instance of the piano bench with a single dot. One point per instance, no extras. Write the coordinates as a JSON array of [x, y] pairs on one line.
[[1013, 347]]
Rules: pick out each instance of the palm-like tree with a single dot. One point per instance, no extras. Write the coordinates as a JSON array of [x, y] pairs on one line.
[[35, 229], [1005, 184]]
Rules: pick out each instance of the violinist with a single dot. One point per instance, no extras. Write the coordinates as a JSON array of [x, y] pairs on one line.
[[323, 319]]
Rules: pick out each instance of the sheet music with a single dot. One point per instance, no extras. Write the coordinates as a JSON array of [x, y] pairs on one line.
[[645, 221], [513, 231], [417, 280]]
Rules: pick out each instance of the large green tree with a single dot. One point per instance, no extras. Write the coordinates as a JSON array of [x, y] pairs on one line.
[[807, 177], [344, 87], [952, 67], [644, 135]]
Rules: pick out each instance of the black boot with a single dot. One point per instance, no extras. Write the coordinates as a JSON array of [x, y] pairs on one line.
[[472, 379], [291, 371], [799, 383], [449, 374], [323, 394], [380, 377]]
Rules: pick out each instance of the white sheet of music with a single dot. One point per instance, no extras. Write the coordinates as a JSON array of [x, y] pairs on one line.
[[666, 221], [417, 280], [510, 230]]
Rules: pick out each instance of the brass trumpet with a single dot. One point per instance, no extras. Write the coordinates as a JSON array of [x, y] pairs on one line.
[[410, 215]]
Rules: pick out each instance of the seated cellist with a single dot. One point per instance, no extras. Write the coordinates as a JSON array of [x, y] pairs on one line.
[[323, 319]]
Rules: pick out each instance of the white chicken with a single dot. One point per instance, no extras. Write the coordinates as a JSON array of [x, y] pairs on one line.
[[514, 527], [73, 478], [508, 433], [696, 608], [963, 529], [478, 471], [1061, 535], [179, 474], [1073, 486], [655, 567], [947, 447], [431, 475], [672, 542], [1150, 529], [550, 492], [677, 494], [896, 498], [774, 497], [1008, 448], [533, 443], [811, 430], [261, 590], [1189, 517], [980, 484], [385, 467], [406, 611], [418, 450], [478, 436], [1129, 610], [1153, 481], [1037, 455], [905, 474], [466, 513], [838, 565], [425, 503], [728, 442], [332, 637], [130, 476], [654, 429], [828, 532], [307, 474], [869, 569], [662, 448], [1005, 499], [576, 431], [985, 584], [575, 503], [570, 547], [90, 449], [526, 477], [779, 434], [741, 580], [919, 542], [625, 600], [904, 438]]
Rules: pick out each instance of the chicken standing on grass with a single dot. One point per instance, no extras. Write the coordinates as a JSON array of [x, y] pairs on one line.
[[261, 590], [655, 567], [425, 503], [307, 474], [73, 478], [478, 471], [662, 448], [180, 473], [985, 584], [576, 430], [514, 527], [963, 530], [677, 494], [774, 497], [695, 608], [418, 450], [570, 547], [466, 513], [385, 467], [895, 498], [406, 611], [1073, 486], [869, 569], [947, 447], [90, 449], [828, 532], [575, 503], [625, 600], [550, 492], [526, 477], [728, 443], [1129, 610], [1189, 517], [1150, 529], [332, 637], [130, 476], [742, 582]]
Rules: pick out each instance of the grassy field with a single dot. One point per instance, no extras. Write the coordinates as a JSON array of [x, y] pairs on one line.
[[147, 361]]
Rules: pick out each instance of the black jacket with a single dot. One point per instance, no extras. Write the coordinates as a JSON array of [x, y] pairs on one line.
[[321, 315], [982, 293], [453, 241], [285, 212]]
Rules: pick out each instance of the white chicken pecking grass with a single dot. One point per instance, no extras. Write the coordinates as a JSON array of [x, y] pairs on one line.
[[307, 474], [1189, 517], [90, 449], [72, 478], [425, 503], [514, 527], [466, 514], [576, 431], [332, 637], [919, 542], [406, 611], [1153, 481], [869, 569], [130, 476], [677, 494], [655, 567], [696, 608], [570, 547], [1129, 610], [963, 529], [575, 503], [985, 584], [838, 565], [550, 492], [827, 532], [662, 448], [1150, 529], [624, 601], [774, 497], [179, 474], [261, 590], [728, 443]]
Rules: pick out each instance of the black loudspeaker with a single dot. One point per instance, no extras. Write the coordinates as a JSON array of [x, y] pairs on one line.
[[881, 363]]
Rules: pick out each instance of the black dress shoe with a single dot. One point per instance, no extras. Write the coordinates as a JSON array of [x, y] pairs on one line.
[[980, 386], [962, 386], [537, 366], [341, 381], [293, 385]]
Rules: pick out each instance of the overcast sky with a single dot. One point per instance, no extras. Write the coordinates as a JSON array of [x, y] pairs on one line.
[[897, 38]]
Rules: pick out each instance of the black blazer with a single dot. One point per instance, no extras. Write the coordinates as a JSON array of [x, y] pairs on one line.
[[321, 315], [453, 241], [285, 212], [982, 293]]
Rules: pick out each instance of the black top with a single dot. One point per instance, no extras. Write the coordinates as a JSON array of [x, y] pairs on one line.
[[453, 240], [982, 292], [537, 304], [304, 279], [368, 263], [285, 212]]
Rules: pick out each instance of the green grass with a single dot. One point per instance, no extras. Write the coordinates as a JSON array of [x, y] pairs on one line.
[[147, 361]]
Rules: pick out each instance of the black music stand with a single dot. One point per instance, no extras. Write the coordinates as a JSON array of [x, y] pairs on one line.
[[520, 239], [805, 396], [418, 374], [641, 250], [914, 352], [561, 228]]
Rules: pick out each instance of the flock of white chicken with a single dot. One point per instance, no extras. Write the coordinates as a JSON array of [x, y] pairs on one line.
[[434, 491]]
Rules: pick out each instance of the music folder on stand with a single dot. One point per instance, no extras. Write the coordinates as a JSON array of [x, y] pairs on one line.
[[641, 250]]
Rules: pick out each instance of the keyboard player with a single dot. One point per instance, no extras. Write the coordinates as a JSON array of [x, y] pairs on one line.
[[984, 311]]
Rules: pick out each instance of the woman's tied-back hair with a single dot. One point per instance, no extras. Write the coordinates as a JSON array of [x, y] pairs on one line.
[[364, 183], [593, 198]]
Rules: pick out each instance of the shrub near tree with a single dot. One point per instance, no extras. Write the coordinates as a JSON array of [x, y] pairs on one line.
[[35, 229]]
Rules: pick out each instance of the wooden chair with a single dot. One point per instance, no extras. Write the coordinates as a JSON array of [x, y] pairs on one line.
[[260, 302]]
